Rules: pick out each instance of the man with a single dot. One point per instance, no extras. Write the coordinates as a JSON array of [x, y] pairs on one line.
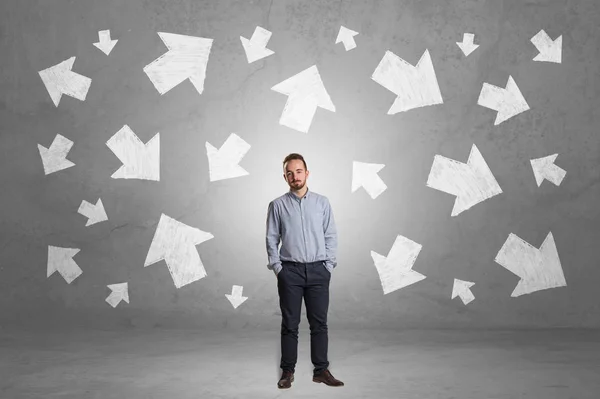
[[303, 221]]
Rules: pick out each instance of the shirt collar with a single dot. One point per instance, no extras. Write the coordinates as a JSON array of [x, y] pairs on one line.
[[306, 195]]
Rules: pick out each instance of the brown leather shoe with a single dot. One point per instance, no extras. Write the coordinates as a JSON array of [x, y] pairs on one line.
[[286, 379], [326, 377]]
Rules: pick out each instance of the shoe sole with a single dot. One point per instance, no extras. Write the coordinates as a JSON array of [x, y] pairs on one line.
[[319, 381]]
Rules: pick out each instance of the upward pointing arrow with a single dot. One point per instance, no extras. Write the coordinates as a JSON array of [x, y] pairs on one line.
[[305, 92], [105, 44], [365, 175], [467, 45], [414, 86], [59, 80], [346, 36]]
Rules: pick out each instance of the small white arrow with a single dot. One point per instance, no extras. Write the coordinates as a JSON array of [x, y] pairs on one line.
[[61, 260], [508, 102], [94, 213], [550, 50], [395, 271], [544, 168], [256, 47], [539, 269], [140, 161], [471, 183], [462, 289], [346, 36], [305, 92], [365, 175], [467, 45], [55, 157], [223, 163], [236, 297], [186, 59], [119, 293], [414, 86], [59, 80], [105, 44], [176, 242]]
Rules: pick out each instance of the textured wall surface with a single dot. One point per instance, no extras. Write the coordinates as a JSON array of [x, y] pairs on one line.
[[41, 210]]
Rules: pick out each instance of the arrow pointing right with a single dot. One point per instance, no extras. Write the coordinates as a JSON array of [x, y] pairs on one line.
[[508, 102]]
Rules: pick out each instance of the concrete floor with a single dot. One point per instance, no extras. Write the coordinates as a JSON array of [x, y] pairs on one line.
[[245, 364]]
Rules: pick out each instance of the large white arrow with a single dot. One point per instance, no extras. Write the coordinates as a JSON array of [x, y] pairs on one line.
[[105, 44], [140, 161], [471, 183], [544, 168], [176, 242], [55, 157], [462, 289], [467, 46], [256, 47], [508, 101], [186, 59], [119, 293], [395, 271], [94, 213], [236, 297], [223, 163], [414, 86], [365, 175], [539, 269], [59, 80], [346, 36], [305, 92], [61, 260], [550, 50]]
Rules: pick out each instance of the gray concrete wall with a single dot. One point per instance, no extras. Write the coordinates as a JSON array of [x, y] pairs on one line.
[[41, 210]]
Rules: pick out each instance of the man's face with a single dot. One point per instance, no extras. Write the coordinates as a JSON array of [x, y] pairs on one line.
[[295, 174]]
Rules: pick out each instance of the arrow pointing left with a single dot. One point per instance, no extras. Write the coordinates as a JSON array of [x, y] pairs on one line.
[[61, 260], [59, 80]]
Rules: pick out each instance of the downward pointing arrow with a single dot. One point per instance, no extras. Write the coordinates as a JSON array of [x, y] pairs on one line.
[[346, 36], [539, 269], [223, 163], [467, 45], [550, 50], [365, 175], [508, 102], [94, 213], [236, 297], [61, 260], [140, 161], [105, 44], [544, 168], [256, 47], [59, 80], [54, 158]]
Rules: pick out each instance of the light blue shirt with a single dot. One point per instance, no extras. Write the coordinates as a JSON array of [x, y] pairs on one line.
[[305, 227]]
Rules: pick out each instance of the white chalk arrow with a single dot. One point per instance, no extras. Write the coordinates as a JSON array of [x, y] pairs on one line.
[[508, 101], [462, 289], [414, 87], [236, 297], [223, 163], [176, 242], [119, 293], [305, 92], [61, 260], [105, 44], [186, 59], [140, 161], [346, 36], [544, 168], [550, 50], [467, 45], [94, 213], [55, 157], [471, 183], [256, 47], [539, 269], [59, 80], [395, 271], [365, 175]]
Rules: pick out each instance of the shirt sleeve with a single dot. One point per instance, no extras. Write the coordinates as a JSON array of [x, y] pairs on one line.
[[273, 238], [331, 239]]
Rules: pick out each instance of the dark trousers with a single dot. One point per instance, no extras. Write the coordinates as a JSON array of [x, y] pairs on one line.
[[311, 281]]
